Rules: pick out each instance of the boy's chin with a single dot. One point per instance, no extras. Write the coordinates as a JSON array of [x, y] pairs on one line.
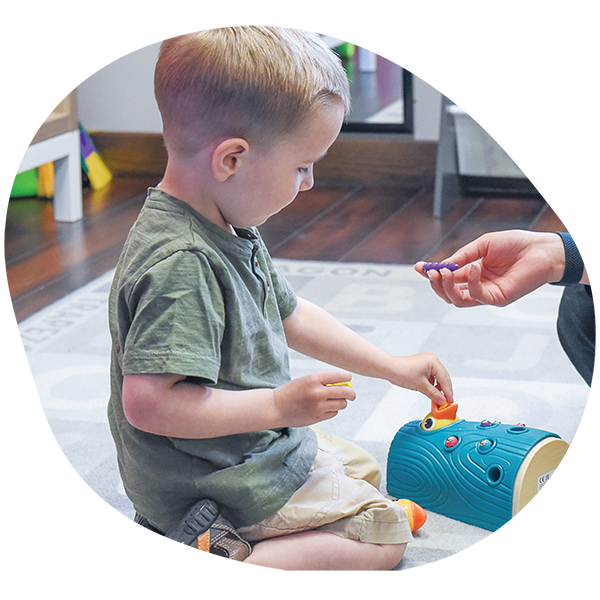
[[257, 222]]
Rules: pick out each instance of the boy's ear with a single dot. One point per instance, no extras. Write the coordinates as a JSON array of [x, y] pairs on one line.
[[228, 157]]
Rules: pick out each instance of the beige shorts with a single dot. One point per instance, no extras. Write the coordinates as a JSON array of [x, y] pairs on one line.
[[340, 495]]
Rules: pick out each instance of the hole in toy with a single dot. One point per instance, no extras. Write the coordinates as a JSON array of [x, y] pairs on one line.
[[494, 474], [517, 429]]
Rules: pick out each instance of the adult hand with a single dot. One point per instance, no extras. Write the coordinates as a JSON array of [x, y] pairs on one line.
[[499, 268]]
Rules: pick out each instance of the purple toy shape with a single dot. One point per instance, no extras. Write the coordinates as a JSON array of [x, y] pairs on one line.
[[439, 265]]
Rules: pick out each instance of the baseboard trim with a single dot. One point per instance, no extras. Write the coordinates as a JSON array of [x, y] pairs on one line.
[[371, 160], [131, 153]]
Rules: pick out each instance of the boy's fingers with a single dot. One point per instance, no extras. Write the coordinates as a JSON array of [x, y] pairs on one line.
[[443, 386], [341, 383], [340, 392], [335, 405], [446, 390], [333, 378], [338, 385], [434, 394]]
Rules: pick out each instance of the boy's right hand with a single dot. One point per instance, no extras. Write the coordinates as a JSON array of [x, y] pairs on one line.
[[310, 399]]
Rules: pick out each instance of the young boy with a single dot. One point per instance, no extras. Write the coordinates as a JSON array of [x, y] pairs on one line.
[[202, 405]]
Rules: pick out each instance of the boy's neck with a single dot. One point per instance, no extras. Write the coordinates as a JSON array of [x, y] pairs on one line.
[[178, 183]]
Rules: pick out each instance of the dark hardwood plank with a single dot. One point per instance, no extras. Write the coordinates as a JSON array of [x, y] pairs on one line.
[[47, 260], [305, 210], [548, 221], [337, 231], [349, 221], [409, 234], [30, 224], [489, 214]]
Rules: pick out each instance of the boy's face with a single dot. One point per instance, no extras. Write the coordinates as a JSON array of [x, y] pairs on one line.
[[271, 179]]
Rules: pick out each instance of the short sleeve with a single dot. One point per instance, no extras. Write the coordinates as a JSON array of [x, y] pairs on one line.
[[176, 319]]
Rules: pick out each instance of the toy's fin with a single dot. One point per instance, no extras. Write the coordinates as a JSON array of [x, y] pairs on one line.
[[416, 515]]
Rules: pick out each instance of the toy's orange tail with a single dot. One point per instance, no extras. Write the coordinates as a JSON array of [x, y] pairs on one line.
[[416, 515], [445, 411]]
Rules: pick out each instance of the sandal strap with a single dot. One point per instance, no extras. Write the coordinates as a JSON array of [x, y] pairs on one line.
[[225, 541], [204, 527]]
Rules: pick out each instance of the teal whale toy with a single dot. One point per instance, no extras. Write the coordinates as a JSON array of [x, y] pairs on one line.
[[481, 473]]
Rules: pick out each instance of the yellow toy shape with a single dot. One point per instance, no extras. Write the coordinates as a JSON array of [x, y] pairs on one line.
[[440, 416]]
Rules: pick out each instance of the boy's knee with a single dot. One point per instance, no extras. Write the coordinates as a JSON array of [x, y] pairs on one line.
[[368, 470], [392, 555]]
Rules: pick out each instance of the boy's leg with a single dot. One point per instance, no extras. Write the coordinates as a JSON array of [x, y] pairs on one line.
[[358, 463], [321, 550], [335, 520]]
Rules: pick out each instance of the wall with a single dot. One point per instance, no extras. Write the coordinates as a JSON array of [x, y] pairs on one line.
[[120, 97], [117, 104]]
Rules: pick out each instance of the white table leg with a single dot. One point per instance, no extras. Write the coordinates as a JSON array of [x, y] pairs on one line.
[[63, 150], [67, 184]]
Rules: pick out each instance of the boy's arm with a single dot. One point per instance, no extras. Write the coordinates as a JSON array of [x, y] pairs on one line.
[[314, 332], [169, 405]]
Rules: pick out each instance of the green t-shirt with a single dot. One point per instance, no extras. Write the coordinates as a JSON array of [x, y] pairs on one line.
[[191, 299]]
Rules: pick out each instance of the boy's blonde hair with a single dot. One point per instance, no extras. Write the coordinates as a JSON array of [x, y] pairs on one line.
[[257, 83]]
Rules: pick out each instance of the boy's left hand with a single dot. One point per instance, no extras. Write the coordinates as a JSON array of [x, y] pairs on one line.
[[426, 374]]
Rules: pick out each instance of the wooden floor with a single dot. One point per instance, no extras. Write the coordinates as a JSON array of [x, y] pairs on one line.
[[47, 260]]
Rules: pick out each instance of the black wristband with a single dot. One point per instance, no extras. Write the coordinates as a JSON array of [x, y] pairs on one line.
[[573, 261]]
